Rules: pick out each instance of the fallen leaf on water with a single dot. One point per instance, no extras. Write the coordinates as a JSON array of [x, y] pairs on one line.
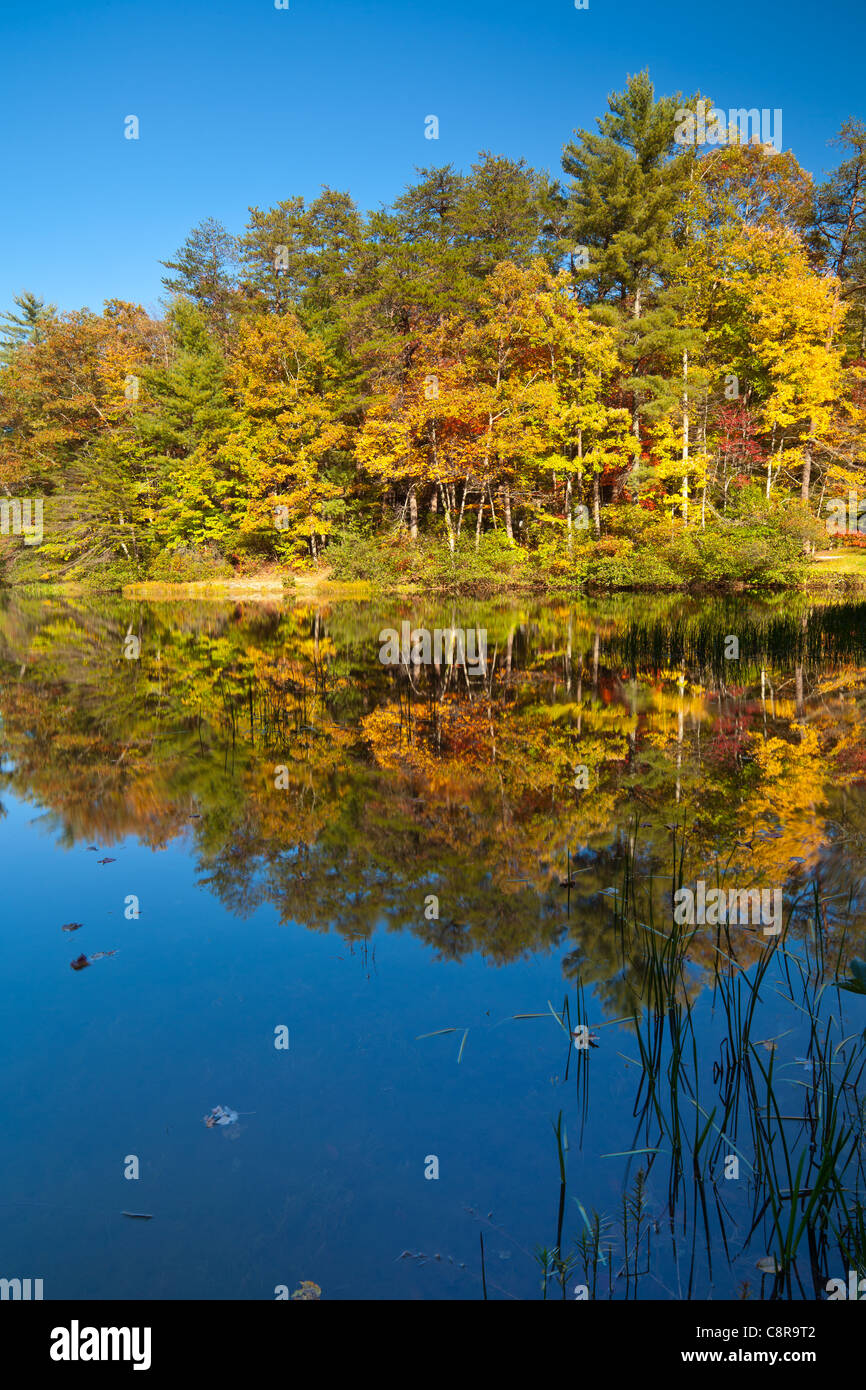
[[106, 861], [72, 926], [307, 1290], [80, 963], [138, 1215], [220, 1115], [768, 1265]]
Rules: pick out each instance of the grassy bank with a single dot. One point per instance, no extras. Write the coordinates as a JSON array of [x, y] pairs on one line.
[[838, 564], [318, 584], [759, 559]]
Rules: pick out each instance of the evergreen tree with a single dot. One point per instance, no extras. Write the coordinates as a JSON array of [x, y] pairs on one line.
[[840, 230], [206, 273], [28, 326], [272, 252], [506, 212], [626, 181]]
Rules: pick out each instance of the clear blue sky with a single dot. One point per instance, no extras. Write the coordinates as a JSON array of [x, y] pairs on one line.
[[241, 103]]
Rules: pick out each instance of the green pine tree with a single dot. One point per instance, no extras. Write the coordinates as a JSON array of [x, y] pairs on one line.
[[25, 327], [626, 183]]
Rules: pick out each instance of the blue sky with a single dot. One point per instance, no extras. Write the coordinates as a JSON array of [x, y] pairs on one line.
[[240, 103]]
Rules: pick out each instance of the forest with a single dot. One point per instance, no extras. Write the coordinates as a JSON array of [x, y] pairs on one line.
[[646, 372]]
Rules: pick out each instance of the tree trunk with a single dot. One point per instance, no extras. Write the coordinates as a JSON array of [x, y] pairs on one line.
[[413, 513], [686, 437], [596, 506], [506, 506], [807, 474], [568, 516], [447, 513], [462, 505]]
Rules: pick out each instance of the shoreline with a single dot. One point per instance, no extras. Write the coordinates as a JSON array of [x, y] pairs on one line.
[[828, 574]]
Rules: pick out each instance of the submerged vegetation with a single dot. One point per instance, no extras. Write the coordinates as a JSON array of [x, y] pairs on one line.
[[650, 374], [737, 1152]]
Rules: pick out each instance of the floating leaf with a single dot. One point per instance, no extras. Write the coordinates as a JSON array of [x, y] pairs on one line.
[[72, 926], [221, 1115], [769, 1265], [106, 861], [307, 1290], [138, 1215], [80, 963]]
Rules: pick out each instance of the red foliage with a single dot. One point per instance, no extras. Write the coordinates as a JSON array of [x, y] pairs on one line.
[[738, 429]]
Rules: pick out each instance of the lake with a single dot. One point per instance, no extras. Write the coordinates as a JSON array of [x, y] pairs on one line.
[[524, 977]]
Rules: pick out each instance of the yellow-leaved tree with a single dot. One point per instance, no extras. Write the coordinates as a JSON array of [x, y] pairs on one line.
[[290, 433], [791, 316]]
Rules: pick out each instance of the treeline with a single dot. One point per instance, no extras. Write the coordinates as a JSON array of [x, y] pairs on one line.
[[668, 342]]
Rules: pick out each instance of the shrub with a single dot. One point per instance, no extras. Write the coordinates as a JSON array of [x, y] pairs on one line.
[[391, 562], [189, 564], [610, 563]]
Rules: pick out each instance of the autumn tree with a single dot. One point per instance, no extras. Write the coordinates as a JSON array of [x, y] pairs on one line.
[[289, 439]]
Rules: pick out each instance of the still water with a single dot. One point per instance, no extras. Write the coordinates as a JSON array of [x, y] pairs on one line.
[[294, 867]]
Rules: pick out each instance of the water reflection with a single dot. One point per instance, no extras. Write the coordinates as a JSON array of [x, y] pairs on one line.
[[346, 793], [554, 806]]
